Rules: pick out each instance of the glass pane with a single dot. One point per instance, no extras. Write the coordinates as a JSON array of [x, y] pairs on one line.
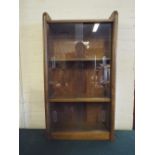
[[81, 116], [79, 60]]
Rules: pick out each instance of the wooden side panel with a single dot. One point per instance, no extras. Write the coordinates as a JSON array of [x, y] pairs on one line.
[[45, 40], [114, 18]]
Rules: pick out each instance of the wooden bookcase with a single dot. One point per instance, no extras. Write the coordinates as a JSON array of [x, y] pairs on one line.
[[79, 78]]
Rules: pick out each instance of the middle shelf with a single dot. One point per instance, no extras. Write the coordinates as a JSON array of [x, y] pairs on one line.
[[91, 100]]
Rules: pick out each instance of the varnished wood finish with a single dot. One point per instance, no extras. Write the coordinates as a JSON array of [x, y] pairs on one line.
[[89, 100], [45, 19], [81, 59], [114, 18], [82, 21], [101, 134], [82, 135]]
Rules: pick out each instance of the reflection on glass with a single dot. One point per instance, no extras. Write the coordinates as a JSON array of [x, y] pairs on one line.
[[79, 60], [82, 116]]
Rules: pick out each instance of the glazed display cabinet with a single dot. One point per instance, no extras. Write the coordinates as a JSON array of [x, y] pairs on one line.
[[79, 78]]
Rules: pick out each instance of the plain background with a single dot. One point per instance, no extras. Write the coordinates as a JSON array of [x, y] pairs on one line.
[[31, 54]]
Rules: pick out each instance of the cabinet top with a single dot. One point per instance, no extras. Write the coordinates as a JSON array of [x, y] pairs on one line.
[[111, 19]]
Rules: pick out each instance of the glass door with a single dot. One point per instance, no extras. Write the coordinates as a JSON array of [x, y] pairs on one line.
[[79, 60]]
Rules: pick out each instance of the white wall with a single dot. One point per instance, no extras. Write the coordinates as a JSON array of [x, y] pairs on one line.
[[31, 53]]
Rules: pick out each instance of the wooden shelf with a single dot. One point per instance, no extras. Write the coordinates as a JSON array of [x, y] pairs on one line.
[[79, 59], [78, 135], [80, 100]]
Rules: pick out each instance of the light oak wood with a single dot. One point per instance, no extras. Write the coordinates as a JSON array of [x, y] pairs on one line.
[[81, 135], [80, 100]]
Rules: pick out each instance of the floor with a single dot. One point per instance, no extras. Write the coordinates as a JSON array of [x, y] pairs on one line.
[[35, 142]]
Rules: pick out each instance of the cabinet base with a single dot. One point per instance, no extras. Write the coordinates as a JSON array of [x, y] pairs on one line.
[[81, 135]]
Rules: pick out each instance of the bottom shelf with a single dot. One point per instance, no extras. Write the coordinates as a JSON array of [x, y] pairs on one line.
[[81, 135]]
